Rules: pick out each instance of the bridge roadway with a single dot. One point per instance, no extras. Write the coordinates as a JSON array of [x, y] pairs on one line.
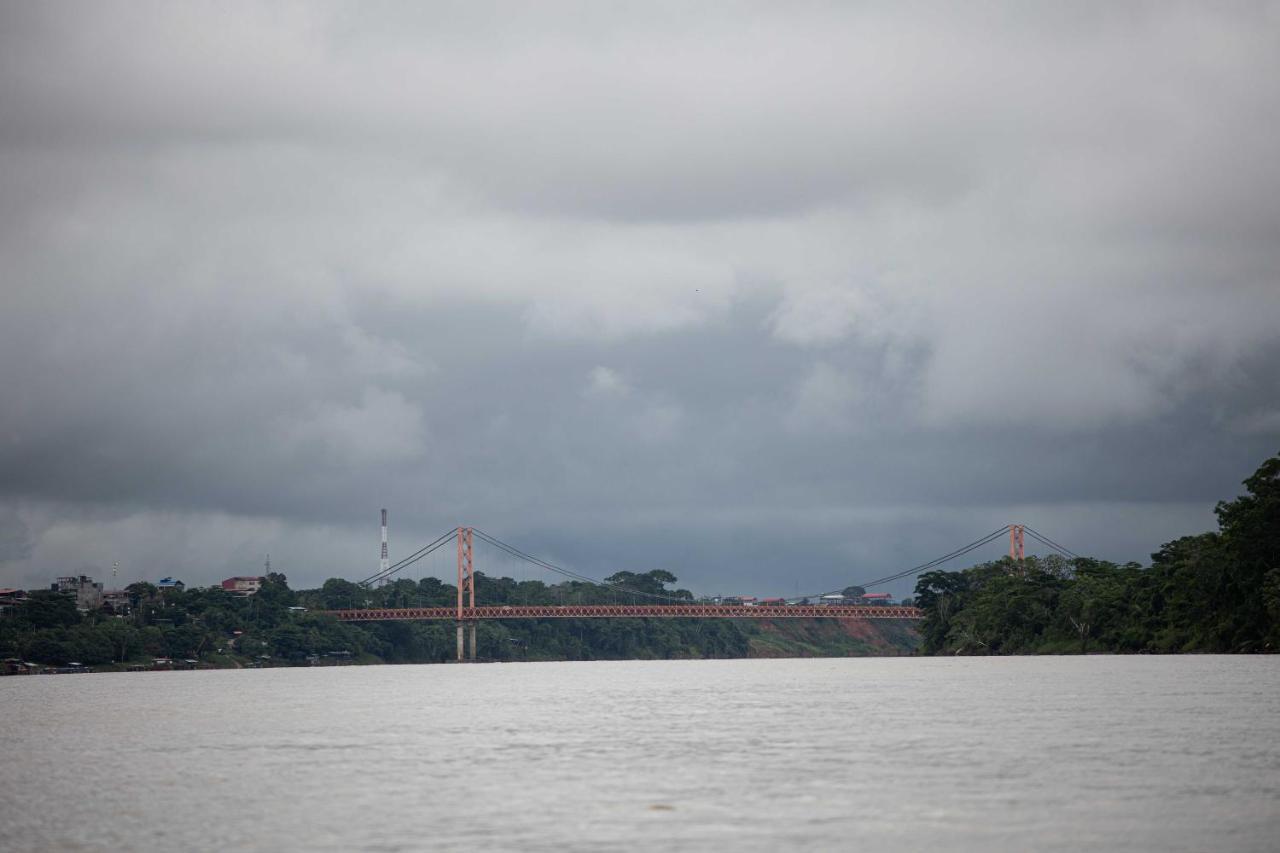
[[627, 611]]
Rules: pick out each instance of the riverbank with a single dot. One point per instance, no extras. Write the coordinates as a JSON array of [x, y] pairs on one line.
[[582, 641]]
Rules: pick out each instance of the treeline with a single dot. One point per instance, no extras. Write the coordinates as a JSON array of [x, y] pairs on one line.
[[281, 625], [1213, 592]]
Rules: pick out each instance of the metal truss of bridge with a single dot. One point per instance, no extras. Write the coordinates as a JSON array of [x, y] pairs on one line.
[[630, 611], [466, 614]]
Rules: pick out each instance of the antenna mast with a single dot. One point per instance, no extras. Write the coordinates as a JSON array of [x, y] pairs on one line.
[[385, 562]]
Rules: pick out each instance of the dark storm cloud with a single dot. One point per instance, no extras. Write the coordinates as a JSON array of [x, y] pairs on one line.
[[763, 296]]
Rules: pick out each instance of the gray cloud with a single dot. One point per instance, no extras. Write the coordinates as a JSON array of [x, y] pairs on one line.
[[763, 295]]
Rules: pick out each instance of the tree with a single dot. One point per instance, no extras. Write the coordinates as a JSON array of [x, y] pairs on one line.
[[47, 609], [89, 644], [1252, 522], [140, 591], [123, 638], [1250, 527], [290, 642], [44, 647], [650, 583], [272, 599], [339, 594], [939, 594], [1271, 601]]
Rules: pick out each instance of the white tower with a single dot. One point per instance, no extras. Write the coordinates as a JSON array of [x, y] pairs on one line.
[[385, 562]]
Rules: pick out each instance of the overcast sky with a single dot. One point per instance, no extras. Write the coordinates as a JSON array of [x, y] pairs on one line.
[[776, 297]]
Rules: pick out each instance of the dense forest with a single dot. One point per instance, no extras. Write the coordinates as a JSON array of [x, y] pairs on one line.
[[280, 625], [1212, 592]]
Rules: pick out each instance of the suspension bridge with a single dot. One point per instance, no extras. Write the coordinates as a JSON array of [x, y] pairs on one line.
[[466, 613]]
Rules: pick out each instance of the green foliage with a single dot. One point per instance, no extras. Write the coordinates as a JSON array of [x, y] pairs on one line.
[[651, 583], [1214, 592], [47, 609], [196, 623], [339, 594], [139, 592]]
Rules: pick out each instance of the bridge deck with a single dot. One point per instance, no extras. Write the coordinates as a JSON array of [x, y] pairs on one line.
[[634, 611]]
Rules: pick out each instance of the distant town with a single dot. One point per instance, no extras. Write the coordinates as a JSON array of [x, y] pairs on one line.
[[92, 601]]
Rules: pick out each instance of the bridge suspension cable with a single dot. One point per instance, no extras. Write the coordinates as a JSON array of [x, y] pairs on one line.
[[960, 552], [1049, 542], [538, 561], [513, 551], [411, 559], [946, 558], [924, 567]]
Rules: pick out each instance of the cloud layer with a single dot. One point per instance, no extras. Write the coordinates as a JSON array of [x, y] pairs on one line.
[[769, 295]]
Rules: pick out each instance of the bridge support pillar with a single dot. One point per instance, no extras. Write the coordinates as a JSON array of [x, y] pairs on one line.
[[463, 645], [466, 590]]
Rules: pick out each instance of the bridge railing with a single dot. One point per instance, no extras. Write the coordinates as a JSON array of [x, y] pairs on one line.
[[632, 611]]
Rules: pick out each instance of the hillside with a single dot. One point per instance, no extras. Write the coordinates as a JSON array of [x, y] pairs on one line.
[[830, 638]]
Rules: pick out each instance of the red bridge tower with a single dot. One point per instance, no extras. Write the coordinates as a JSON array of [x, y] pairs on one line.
[[467, 586]]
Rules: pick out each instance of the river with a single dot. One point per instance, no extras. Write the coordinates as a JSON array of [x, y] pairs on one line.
[[963, 754]]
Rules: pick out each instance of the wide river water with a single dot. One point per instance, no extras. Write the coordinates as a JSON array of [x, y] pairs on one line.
[[966, 754]]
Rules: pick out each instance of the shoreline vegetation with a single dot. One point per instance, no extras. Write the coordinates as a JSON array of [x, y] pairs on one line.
[[210, 628], [1212, 592]]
